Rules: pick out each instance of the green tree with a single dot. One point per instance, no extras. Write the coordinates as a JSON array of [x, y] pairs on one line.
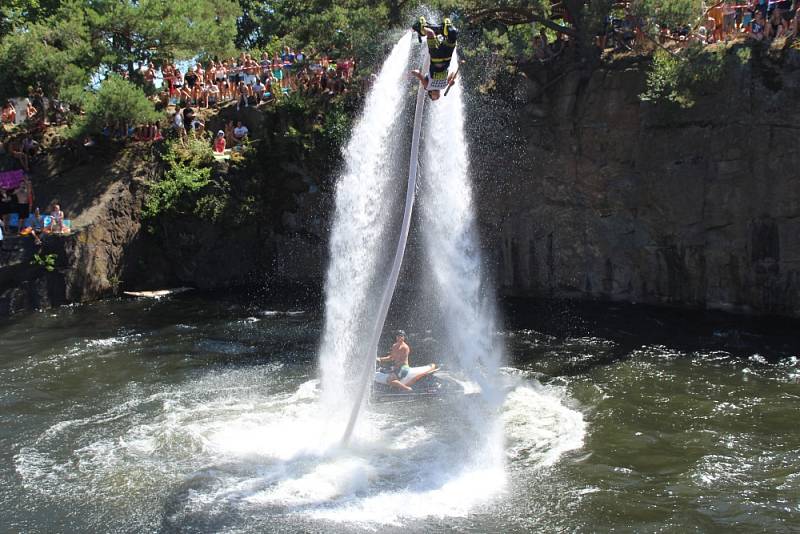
[[63, 43], [127, 32], [18, 13], [349, 26], [579, 19], [670, 13], [55, 52], [117, 103]]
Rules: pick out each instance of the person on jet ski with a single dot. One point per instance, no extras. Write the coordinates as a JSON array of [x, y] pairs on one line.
[[441, 45], [395, 364]]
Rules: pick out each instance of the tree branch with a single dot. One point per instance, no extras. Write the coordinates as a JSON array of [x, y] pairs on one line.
[[514, 16]]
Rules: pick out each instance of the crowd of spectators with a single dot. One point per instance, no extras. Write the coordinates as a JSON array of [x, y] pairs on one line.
[[762, 20], [33, 111], [721, 21], [244, 82], [248, 81], [22, 122]]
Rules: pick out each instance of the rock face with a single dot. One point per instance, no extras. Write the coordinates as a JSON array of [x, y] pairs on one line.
[[611, 198], [583, 191], [89, 263]]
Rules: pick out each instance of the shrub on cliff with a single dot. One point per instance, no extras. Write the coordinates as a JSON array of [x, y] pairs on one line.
[[116, 104], [188, 171], [679, 80], [165, 195]]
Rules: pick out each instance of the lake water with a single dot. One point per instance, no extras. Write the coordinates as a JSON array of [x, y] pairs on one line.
[[199, 414]]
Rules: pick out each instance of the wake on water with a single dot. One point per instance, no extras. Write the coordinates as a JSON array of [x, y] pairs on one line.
[[260, 448], [242, 443]]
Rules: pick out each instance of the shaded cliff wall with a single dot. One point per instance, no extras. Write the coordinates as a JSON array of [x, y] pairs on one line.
[[272, 234], [583, 192], [102, 193], [586, 192]]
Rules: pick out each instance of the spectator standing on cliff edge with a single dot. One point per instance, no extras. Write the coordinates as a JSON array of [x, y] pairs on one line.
[[9, 114]]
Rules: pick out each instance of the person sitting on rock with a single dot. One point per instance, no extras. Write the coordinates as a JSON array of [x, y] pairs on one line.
[[219, 143], [240, 132], [57, 220], [441, 47]]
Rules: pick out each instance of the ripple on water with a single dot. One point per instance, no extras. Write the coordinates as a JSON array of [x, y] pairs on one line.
[[540, 427], [249, 441]]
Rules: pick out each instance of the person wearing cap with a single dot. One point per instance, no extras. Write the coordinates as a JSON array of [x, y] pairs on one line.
[[396, 361], [219, 142]]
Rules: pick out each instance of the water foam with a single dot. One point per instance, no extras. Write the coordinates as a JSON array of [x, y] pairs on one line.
[[244, 441]]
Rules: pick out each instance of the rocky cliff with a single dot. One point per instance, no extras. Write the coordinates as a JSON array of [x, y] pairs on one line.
[[606, 197], [583, 192], [102, 193]]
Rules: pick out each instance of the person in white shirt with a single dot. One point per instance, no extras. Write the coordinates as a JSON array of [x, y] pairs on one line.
[[240, 132], [211, 94], [258, 91]]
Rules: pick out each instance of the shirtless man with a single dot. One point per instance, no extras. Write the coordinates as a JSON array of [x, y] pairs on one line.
[[397, 359]]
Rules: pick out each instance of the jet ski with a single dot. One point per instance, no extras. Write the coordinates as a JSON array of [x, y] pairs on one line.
[[426, 381]]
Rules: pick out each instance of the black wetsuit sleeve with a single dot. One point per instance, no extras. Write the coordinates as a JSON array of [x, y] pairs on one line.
[[452, 36]]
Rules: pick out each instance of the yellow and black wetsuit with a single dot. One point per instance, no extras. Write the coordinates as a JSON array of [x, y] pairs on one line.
[[441, 50]]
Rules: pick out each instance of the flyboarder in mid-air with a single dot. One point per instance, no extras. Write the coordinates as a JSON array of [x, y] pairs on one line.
[[441, 45]]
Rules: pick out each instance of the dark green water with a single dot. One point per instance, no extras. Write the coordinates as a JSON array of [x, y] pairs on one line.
[[200, 415]]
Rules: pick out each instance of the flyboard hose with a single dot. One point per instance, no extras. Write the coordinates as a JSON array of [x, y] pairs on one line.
[[391, 282]]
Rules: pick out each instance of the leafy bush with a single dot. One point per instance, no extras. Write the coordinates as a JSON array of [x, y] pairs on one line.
[[680, 80], [118, 103], [188, 171], [166, 194], [47, 261], [193, 152], [211, 207], [336, 128]]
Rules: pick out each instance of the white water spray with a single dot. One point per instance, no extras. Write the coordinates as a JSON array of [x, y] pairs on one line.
[[453, 253], [452, 243], [391, 283], [358, 227]]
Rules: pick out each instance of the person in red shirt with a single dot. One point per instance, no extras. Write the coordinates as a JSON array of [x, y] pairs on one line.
[[9, 115], [219, 143]]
